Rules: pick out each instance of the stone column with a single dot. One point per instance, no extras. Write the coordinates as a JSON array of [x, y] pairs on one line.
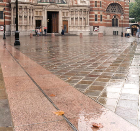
[[87, 17], [23, 18], [78, 17], [28, 19], [60, 21], [43, 20], [45, 17], [18, 16], [27, 16], [11, 15], [31, 18], [82, 17], [70, 18], [74, 17]]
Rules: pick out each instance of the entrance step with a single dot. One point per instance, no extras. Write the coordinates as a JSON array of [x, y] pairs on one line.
[[56, 34]]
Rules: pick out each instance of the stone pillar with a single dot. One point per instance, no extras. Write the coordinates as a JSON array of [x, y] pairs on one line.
[[78, 17], [11, 15], [60, 21], [45, 17], [70, 19], [82, 17], [31, 19], [74, 17], [87, 17], [22, 15], [18, 16], [27, 16], [43, 20], [28, 19]]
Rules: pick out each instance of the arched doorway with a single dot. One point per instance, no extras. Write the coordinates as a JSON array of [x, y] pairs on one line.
[[115, 21], [115, 9], [134, 29]]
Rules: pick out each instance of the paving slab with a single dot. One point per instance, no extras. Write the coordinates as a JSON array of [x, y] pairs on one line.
[[31, 110]]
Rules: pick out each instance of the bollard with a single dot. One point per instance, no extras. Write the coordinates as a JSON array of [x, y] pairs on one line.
[[53, 35], [100, 34], [31, 35], [81, 35]]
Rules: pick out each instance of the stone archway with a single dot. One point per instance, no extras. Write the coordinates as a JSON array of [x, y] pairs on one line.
[[114, 8]]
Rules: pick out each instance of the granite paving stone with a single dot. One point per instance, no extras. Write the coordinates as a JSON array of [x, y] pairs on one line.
[[99, 68]]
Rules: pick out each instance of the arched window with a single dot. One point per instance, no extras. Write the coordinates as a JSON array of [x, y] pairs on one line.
[[114, 8], [114, 21]]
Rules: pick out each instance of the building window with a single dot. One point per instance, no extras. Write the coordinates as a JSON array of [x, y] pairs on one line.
[[95, 17], [100, 4], [1, 14], [100, 17], [15, 20], [114, 22], [114, 8], [95, 3]]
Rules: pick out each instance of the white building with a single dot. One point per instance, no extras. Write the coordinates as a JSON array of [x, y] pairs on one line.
[[70, 15]]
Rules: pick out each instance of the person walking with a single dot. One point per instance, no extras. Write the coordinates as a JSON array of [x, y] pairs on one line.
[[40, 30], [36, 31], [62, 32], [45, 30], [137, 34]]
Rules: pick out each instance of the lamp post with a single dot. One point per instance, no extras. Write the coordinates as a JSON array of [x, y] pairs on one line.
[[4, 24], [17, 42], [122, 25]]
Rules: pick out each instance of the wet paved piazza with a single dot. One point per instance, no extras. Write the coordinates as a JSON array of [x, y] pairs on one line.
[[106, 69]]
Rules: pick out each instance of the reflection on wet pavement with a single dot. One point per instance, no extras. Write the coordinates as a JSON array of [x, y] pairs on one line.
[[106, 69]]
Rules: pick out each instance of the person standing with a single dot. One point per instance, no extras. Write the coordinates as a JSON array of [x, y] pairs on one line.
[[36, 31], [40, 30], [62, 32], [45, 30], [137, 34]]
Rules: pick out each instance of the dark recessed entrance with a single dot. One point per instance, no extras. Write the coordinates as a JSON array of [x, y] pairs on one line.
[[52, 22], [38, 23]]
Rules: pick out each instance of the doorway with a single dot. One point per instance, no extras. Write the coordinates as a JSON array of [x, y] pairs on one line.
[[52, 22], [38, 23], [65, 26]]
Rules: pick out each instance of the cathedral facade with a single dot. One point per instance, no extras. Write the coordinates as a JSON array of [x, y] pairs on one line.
[[74, 16]]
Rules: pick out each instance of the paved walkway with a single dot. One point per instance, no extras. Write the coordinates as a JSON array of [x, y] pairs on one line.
[[99, 68]]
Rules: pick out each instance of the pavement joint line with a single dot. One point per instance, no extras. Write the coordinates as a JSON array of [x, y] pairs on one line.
[[90, 72], [69, 123]]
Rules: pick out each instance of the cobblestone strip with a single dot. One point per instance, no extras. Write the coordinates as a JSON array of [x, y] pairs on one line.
[[127, 106], [5, 115]]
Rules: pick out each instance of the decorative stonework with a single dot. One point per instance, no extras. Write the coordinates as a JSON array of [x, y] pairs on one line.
[[114, 8], [53, 6]]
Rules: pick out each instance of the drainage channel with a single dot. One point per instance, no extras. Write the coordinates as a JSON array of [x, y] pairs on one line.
[[66, 119]]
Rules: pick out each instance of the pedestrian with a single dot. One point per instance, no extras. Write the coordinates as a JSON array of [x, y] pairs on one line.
[[40, 30], [62, 32], [45, 30], [36, 31], [127, 33], [137, 34]]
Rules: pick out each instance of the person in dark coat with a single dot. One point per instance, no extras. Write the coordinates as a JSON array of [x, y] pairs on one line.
[[62, 33]]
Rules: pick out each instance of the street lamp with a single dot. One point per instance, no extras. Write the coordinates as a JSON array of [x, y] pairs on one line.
[[17, 42], [4, 24], [122, 25]]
